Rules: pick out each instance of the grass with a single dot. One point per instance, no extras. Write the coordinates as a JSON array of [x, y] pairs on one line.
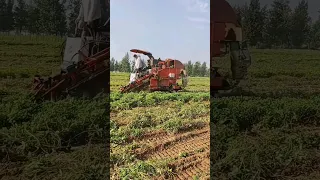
[[135, 115], [273, 132], [49, 140], [270, 133], [68, 139]]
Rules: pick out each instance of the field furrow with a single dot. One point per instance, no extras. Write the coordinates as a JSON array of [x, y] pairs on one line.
[[201, 141], [166, 133]]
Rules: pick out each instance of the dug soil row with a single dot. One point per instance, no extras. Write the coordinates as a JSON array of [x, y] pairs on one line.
[[189, 151]]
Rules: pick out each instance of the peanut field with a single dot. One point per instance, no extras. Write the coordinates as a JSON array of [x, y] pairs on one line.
[[160, 135], [50, 140], [272, 131], [269, 130]]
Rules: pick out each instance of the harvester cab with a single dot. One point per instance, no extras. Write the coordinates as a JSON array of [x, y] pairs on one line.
[[158, 75], [146, 67], [85, 64], [227, 38], [146, 53]]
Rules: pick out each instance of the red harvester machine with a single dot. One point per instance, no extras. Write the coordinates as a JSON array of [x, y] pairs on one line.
[[85, 68], [87, 78], [226, 38], [158, 76]]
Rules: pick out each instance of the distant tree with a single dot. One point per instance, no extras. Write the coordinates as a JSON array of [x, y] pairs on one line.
[[112, 64], [125, 64], [314, 35], [242, 13], [254, 21], [3, 6], [189, 67], [300, 24], [239, 12], [60, 22], [52, 17], [203, 69], [33, 24], [278, 26], [208, 72], [116, 66], [20, 16], [6, 15], [9, 21], [74, 7], [264, 20], [196, 69]]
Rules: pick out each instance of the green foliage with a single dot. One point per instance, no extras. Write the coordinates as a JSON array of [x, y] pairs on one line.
[[300, 24], [131, 100], [256, 137], [20, 15], [189, 67], [273, 130], [196, 69], [314, 35], [254, 21], [37, 17], [135, 116], [278, 26], [203, 70], [49, 140], [112, 65], [125, 65], [38, 129], [74, 6], [269, 113]]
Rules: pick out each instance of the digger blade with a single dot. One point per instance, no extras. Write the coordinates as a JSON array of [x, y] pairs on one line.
[[139, 85]]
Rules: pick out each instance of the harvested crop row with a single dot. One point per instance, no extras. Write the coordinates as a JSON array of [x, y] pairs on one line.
[[37, 137], [160, 135]]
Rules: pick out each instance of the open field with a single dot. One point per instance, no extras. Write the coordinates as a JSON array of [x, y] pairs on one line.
[[156, 135], [50, 140], [273, 132]]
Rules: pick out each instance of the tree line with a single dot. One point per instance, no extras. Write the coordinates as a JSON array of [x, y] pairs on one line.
[[40, 17], [274, 26], [196, 69], [279, 26]]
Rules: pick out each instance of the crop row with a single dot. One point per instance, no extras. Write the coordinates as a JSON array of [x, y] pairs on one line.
[[119, 101], [30, 40], [28, 127], [195, 84], [264, 138], [282, 153], [247, 112], [172, 117]]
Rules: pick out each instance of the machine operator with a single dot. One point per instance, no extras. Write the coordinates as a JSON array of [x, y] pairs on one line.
[[138, 64]]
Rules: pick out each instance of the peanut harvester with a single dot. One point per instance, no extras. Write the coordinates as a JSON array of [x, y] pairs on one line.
[[159, 75], [85, 67], [227, 38]]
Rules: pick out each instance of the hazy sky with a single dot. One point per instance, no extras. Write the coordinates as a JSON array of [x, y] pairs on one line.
[[314, 5], [177, 29]]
